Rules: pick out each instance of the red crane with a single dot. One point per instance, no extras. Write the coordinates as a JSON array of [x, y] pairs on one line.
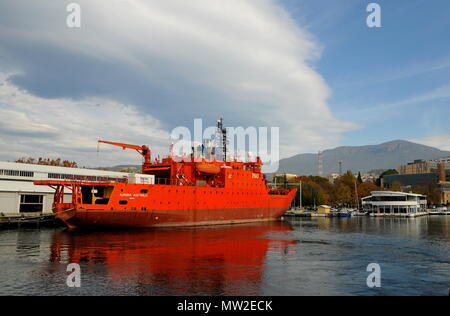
[[143, 150]]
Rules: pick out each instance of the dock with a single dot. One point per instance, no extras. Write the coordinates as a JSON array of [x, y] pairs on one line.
[[401, 215], [295, 213], [438, 212], [28, 220]]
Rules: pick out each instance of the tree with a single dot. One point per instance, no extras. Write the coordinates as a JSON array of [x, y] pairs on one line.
[[386, 173], [360, 180], [431, 190], [396, 186], [48, 162], [319, 190], [366, 188]]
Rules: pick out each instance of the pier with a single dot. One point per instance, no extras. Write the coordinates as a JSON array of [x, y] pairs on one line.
[[28, 220], [296, 213]]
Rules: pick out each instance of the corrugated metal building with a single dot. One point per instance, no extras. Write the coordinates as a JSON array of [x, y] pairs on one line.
[[410, 179], [18, 194]]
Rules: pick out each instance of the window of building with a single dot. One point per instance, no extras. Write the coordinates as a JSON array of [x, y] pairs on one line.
[[31, 203], [16, 173]]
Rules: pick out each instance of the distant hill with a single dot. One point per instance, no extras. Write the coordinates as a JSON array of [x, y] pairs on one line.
[[361, 158], [132, 168]]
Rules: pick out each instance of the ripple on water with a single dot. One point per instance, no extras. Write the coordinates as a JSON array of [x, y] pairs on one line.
[[307, 257]]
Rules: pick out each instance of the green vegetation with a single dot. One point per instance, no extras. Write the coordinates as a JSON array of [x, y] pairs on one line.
[[318, 190], [386, 173]]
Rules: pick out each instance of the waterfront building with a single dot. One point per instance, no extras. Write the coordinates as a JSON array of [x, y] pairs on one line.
[[333, 177], [427, 166], [410, 179], [324, 209], [19, 195], [284, 176], [423, 173], [389, 203], [445, 194]]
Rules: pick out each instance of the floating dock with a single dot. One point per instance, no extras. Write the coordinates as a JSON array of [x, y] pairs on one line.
[[29, 220], [401, 215], [439, 212], [294, 213]]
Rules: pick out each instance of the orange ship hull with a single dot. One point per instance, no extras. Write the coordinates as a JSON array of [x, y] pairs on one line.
[[168, 206], [167, 218]]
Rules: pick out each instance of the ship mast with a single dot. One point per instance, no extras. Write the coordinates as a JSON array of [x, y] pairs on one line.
[[223, 132]]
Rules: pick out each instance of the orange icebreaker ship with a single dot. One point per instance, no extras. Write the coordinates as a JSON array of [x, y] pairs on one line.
[[172, 192]]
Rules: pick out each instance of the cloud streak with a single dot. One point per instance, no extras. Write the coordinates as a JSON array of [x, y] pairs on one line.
[[439, 93]]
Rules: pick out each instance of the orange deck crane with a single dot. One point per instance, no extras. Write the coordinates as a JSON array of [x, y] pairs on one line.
[[143, 150]]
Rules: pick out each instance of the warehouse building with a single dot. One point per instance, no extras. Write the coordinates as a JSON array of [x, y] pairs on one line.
[[410, 179], [18, 194], [427, 166]]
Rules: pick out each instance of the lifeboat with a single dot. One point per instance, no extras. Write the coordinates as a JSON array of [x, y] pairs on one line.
[[207, 168]]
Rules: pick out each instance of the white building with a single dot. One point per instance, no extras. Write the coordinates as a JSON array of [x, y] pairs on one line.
[[388, 203], [18, 194]]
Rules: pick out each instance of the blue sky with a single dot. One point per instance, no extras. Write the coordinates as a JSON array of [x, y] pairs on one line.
[[371, 70], [137, 69]]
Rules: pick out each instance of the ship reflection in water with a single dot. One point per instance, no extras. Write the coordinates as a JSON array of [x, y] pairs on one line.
[[308, 256], [221, 260]]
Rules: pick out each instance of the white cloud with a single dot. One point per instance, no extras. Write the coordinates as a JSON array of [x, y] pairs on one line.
[[441, 142], [37, 127], [247, 54]]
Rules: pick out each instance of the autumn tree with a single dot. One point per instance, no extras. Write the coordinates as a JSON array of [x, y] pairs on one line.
[[431, 190], [396, 186], [58, 162], [385, 173]]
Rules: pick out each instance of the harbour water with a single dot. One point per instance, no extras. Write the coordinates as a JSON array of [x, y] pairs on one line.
[[305, 256]]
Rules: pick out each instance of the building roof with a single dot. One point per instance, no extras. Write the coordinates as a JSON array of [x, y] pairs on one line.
[[54, 169], [394, 193]]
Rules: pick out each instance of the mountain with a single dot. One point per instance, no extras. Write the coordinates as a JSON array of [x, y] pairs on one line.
[[361, 158], [119, 168]]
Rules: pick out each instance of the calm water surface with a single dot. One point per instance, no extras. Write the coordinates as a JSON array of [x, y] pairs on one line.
[[318, 256]]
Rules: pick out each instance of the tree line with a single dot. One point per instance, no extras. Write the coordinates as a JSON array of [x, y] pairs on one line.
[[48, 162], [344, 192], [348, 190]]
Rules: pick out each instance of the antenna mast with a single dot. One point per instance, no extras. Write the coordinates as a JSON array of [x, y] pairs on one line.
[[223, 132], [320, 162]]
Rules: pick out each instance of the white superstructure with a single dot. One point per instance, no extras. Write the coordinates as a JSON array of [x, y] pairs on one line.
[[389, 203], [18, 194]]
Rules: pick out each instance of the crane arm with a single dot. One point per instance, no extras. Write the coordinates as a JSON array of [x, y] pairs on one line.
[[124, 146], [143, 150]]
